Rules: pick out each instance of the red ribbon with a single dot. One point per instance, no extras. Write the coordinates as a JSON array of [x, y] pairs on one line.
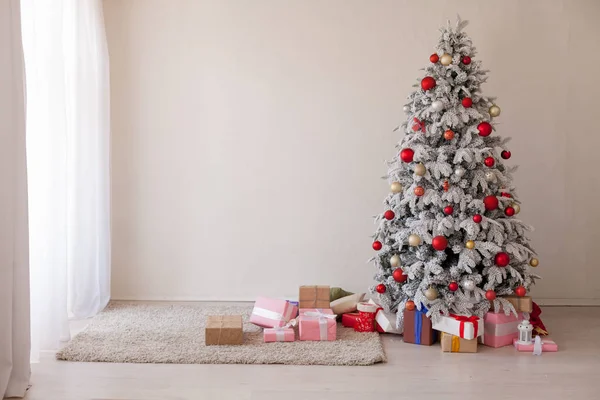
[[464, 319], [418, 125]]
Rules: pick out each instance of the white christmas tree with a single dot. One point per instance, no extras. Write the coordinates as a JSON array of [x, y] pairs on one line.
[[449, 238]]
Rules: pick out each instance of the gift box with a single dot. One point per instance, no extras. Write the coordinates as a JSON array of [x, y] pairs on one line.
[[317, 324], [547, 345], [385, 322], [459, 325], [279, 335], [314, 297], [272, 313], [349, 319], [366, 317], [521, 303], [223, 329], [454, 344], [417, 328], [499, 329]]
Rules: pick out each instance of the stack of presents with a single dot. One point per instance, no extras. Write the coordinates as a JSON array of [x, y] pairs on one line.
[[315, 316]]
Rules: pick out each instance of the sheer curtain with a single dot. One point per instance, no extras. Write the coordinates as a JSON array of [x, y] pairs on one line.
[[14, 270], [66, 63]]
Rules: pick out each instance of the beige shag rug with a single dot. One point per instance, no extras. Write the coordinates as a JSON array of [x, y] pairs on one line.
[[141, 333]]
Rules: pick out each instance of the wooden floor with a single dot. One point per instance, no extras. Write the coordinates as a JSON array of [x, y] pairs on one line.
[[413, 372]]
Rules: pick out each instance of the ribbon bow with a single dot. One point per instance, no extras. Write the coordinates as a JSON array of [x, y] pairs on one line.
[[319, 314], [418, 125], [462, 319]]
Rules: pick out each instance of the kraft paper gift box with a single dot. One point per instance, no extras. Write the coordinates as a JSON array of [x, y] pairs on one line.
[[454, 344], [500, 329], [272, 313], [279, 335], [385, 322], [317, 324], [521, 304], [314, 297], [223, 329], [462, 326], [417, 328], [547, 345], [349, 319]]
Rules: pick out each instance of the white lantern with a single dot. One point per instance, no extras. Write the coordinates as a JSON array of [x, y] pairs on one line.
[[525, 331]]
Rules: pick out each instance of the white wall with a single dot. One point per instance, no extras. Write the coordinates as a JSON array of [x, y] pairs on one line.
[[249, 136]]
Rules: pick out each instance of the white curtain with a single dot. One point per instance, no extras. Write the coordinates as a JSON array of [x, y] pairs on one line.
[[66, 63], [14, 264]]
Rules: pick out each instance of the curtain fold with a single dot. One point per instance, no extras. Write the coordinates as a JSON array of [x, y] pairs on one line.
[[68, 131], [14, 263]]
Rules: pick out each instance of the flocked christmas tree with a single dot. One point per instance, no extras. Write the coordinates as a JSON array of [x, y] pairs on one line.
[[449, 238]]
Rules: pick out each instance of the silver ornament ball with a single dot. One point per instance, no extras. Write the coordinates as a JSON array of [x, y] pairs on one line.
[[494, 111], [437, 105], [420, 169], [446, 59], [406, 109], [517, 208], [431, 293], [468, 285], [490, 176], [395, 261], [460, 172], [414, 240]]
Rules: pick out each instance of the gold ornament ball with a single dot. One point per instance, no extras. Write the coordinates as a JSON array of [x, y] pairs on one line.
[[395, 261], [420, 169], [431, 293], [470, 244], [446, 60], [517, 208], [494, 111], [534, 262], [396, 187], [414, 240]]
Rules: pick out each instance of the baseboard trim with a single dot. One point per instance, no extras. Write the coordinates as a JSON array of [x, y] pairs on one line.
[[540, 301]]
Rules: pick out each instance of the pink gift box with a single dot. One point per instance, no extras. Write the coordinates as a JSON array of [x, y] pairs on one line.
[[317, 324], [547, 345], [279, 335], [272, 313], [499, 329]]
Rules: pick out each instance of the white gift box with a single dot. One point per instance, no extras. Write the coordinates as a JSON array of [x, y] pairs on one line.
[[460, 325], [386, 320]]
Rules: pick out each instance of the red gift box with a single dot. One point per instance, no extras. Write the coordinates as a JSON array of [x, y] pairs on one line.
[[349, 319]]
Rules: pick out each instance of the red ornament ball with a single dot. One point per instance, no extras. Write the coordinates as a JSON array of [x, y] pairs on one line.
[[407, 155], [434, 58], [466, 60], [504, 194], [419, 191], [489, 161], [502, 259], [427, 83], [389, 215], [380, 288], [490, 295], [520, 291], [509, 211], [448, 135], [439, 243], [410, 305], [490, 202], [377, 245], [467, 102], [448, 210], [477, 218], [399, 276], [505, 154], [484, 128], [453, 286]]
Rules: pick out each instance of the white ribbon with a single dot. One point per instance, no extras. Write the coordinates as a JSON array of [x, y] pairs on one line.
[[263, 312], [322, 321], [280, 335]]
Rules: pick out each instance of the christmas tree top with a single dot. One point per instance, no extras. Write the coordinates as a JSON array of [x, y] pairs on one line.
[[449, 238]]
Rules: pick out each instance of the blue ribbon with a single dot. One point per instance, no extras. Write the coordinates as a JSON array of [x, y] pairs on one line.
[[419, 323]]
